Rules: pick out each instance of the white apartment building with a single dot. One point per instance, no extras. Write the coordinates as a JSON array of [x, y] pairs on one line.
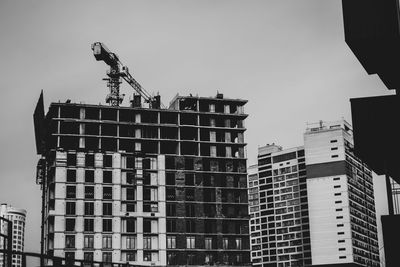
[[315, 204], [17, 217]]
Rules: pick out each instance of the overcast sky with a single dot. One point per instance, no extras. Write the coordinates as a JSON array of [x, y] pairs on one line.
[[288, 58]]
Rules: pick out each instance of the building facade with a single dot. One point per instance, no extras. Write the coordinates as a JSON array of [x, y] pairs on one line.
[[147, 186], [17, 217], [333, 196], [280, 234]]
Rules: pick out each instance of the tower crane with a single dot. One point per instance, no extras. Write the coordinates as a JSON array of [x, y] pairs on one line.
[[116, 71]]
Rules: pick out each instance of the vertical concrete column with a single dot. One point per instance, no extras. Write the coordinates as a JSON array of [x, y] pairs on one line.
[[162, 221]]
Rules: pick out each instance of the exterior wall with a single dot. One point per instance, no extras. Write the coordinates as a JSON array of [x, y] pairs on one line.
[[331, 240]]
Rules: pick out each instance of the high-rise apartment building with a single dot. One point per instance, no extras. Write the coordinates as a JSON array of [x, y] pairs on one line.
[[147, 186], [17, 218], [317, 200], [279, 225]]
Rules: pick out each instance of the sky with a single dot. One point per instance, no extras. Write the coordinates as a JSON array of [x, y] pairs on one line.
[[287, 58]]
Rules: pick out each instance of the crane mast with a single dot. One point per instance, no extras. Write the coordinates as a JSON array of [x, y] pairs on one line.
[[115, 73]]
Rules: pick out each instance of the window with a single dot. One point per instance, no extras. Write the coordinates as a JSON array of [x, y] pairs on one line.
[[334, 148], [69, 224], [130, 194], [339, 209], [239, 258], [338, 194], [107, 177], [238, 243], [107, 241], [70, 257], [89, 192], [338, 202], [208, 243], [107, 225], [171, 209], [107, 192], [146, 226], [336, 178], [171, 241], [190, 242], [171, 258], [107, 208], [71, 191], [107, 256], [225, 243], [88, 241], [190, 210], [89, 208], [130, 207], [213, 151], [333, 141], [88, 225], [190, 226], [107, 161], [71, 176], [190, 259], [88, 256], [71, 159], [147, 242], [147, 256], [131, 242], [89, 160], [212, 107], [89, 176], [70, 208], [334, 156], [171, 226], [130, 225], [131, 256], [70, 241], [336, 186]]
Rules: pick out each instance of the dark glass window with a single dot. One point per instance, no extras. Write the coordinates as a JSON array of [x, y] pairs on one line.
[[107, 177], [107, 208], [130, 194], [89, 208], [107, 192], [71, 176], [130, 226], [89, 158], [146, 226], [88, 256], [88, 225], [107, 225], [70, 241], [71, 191], [71, 159], [69, 224], [107, 161], [70, 208], [89, 192], [89, 176]]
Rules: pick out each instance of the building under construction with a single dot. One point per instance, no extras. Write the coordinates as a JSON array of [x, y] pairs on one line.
[[149, 186]]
